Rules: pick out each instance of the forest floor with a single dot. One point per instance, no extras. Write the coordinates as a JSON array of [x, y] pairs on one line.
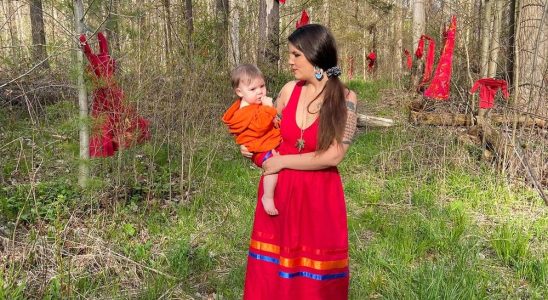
[[427, 218]]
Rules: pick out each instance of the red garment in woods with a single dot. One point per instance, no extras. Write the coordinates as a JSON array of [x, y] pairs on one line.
[[409, 59], [429, 62], [304, 19], [282, 1], [440, 85], [488, 89], [302, 253], [372, 58], [118, 125]]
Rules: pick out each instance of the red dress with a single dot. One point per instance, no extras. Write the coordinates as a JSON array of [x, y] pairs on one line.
[[303, 252]]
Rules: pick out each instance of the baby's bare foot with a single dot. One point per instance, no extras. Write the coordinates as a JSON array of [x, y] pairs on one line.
[[268, 204]]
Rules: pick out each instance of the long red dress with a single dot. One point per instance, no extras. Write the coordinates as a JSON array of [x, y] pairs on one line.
[[303, 252]]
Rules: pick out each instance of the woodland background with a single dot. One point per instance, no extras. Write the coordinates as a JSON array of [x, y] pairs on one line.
[[451, 212]]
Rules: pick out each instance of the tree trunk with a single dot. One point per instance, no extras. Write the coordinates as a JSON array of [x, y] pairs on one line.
[[532, 52], [12, 28], [398, 49], [511, 42], [39, 52], [234, 34], [269, 28], [82, 99], [485, 38], [418, 30], [221, 16], [167, 30], [189, 19], [419, 22], [495, 40], [112, 28]]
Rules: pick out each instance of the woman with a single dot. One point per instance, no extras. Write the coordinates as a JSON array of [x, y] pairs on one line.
[[303, 252]]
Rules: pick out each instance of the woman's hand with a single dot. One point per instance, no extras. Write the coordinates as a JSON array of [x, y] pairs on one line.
[[273, 165], [245, 152]]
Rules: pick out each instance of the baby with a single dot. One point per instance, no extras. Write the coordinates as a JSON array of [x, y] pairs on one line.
[[251, 120]]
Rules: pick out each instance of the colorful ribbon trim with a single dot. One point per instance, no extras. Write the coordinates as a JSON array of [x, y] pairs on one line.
[[312, 275], [301, 273]]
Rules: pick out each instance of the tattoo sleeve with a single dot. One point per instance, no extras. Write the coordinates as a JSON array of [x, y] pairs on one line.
[[351, 123]]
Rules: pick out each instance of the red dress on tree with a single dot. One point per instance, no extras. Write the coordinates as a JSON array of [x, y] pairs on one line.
[[303, 252]]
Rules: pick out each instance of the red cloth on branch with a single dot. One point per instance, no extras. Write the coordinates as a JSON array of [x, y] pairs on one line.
[[429, 62], [372, 58], [440, 86], [488, 89], [304, 19], [409, 59], [117, 125], [282, 1]]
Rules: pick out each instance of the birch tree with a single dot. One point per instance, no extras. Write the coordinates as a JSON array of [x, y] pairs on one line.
[[82, 98]]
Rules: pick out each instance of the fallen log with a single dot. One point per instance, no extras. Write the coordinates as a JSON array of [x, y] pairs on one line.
[[449, 119], [371, 121]]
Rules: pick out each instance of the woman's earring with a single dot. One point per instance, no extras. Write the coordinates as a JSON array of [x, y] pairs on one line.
[[318, 73]]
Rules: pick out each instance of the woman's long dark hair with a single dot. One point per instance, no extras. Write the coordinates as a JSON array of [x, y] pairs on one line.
[[318, 46]]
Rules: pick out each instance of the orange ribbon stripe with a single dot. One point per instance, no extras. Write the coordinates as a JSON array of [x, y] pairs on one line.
[[314, 264]]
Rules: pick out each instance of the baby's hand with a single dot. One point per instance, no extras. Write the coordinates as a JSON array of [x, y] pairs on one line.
[[267, 101]]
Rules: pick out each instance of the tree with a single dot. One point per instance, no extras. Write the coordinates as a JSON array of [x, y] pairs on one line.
[[269, 28], [39, 52], [82, 99], [531, 61], [495, 40], [112, 27], [234, 34], [221, 20], [485, 37]]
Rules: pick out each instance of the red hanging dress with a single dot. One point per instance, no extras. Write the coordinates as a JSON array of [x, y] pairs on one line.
[[303, 252]]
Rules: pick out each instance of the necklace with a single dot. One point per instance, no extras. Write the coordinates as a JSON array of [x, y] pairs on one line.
[[301, 141]]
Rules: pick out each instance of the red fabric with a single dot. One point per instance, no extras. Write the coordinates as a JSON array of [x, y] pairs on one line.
[[304, 19], [488, 89], [372, 58], [429, 62], [309, 238], [282, 1], [440, 86], [409, 61], [118, 125]]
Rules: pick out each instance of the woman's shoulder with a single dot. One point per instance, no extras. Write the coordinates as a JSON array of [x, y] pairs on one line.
[[288, 87], [286, 91]]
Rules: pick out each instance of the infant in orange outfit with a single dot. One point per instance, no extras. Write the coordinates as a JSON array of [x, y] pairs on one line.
[[251, 119]]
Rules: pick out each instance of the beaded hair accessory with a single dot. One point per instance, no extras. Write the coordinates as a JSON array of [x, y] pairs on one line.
[[333, 71]]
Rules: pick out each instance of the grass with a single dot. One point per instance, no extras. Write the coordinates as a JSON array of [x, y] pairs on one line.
[[426, 221]]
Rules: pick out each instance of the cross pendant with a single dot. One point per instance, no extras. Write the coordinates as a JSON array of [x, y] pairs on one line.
[[300, 144]]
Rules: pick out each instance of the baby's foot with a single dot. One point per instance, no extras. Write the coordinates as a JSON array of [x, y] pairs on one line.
[[268, 204]]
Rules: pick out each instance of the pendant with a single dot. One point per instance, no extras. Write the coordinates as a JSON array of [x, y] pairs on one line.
[[300, 144]]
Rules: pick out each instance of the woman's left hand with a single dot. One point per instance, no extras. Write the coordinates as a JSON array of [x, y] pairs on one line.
[[273, 165]]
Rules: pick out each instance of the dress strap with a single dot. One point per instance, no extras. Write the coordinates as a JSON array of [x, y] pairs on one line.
[[294, 98]]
